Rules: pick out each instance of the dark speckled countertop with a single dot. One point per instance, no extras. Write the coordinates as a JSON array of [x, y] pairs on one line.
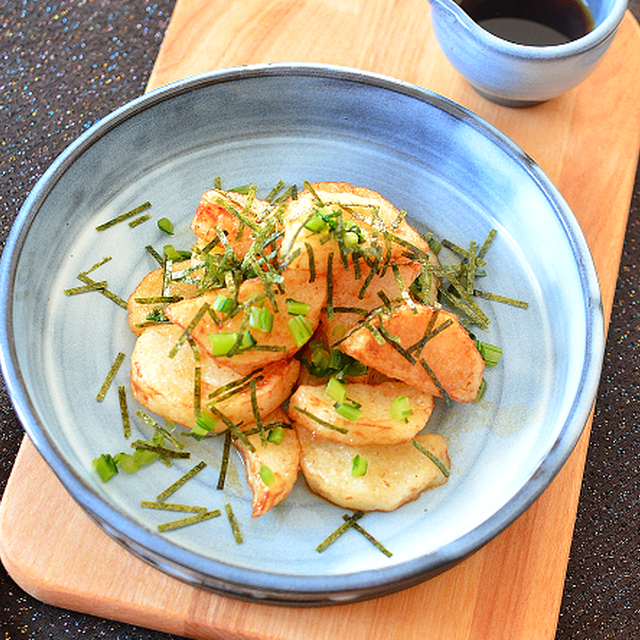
[[64, 65]]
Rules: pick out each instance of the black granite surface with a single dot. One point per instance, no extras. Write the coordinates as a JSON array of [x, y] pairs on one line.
[[64, 65]]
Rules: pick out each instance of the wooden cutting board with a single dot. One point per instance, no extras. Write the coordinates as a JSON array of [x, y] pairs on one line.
[[587, 141]]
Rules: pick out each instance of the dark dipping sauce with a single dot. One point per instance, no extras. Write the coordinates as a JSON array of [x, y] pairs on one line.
[[531, 22]]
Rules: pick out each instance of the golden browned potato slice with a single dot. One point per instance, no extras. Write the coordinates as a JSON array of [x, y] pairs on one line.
[[281, 338], [358, 205], [375, 424], [272, 469], [214, 213], [351, 299], [451, 354], [165, 385], [151, 287], [395, 474]]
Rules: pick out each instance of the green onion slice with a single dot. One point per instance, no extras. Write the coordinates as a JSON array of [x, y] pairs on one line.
[[267, 475], [106, 467], [359, 466], [301, 330], [297, 308], [400, 408], [336, 390], [164, 224]]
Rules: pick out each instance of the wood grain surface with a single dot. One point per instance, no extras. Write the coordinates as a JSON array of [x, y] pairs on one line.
[[587, 141]]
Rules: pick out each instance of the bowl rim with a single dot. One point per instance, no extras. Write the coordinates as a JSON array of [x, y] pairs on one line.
[[283, 588]]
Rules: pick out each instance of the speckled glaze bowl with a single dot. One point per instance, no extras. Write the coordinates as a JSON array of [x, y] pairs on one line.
[[518, 75], [452, 172]]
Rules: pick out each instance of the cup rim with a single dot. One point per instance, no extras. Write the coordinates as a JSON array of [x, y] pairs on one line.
[[594, 38]]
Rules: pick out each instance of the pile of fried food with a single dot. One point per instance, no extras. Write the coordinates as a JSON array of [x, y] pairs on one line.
[[323, 302]]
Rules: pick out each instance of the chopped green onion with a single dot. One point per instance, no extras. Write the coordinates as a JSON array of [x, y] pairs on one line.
[[301, 329], [221, 343], [105, 466], [336, 390], [490, 353], [276, 435], [400, 409], [481, 390], [180, 481], [316, 224], [177, 255], [348, 411], [206, 422], [267, 475], [222, 303], [127, 462], [261, 319], [110, 376], [164, 224], [297, 308], [359, 466]]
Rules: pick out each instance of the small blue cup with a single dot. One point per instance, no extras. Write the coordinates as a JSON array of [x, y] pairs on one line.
[[517, 75]]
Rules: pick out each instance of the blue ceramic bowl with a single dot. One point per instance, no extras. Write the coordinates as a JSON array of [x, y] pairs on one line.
[[518, 75], [450, 171]]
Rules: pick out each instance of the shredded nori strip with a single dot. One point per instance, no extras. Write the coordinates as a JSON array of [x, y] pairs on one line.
[[330, 286], [312, 262], [428, 335], [235, 429], [158, 428], [190, 327], [137, 221], [124, 411], [224, 464], [368, 536], [487, 243], [158, 299], [197, 391], [86, 288], [123, 216], [162, 451], [110, 376], [235, 527], [83, 277], [235, 383], [172, 506], [155, 255], [98, 264], [320, 421], [435, 380], [495, 297], [433, 457], [163, 495], [330, 539], [183, 522]]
